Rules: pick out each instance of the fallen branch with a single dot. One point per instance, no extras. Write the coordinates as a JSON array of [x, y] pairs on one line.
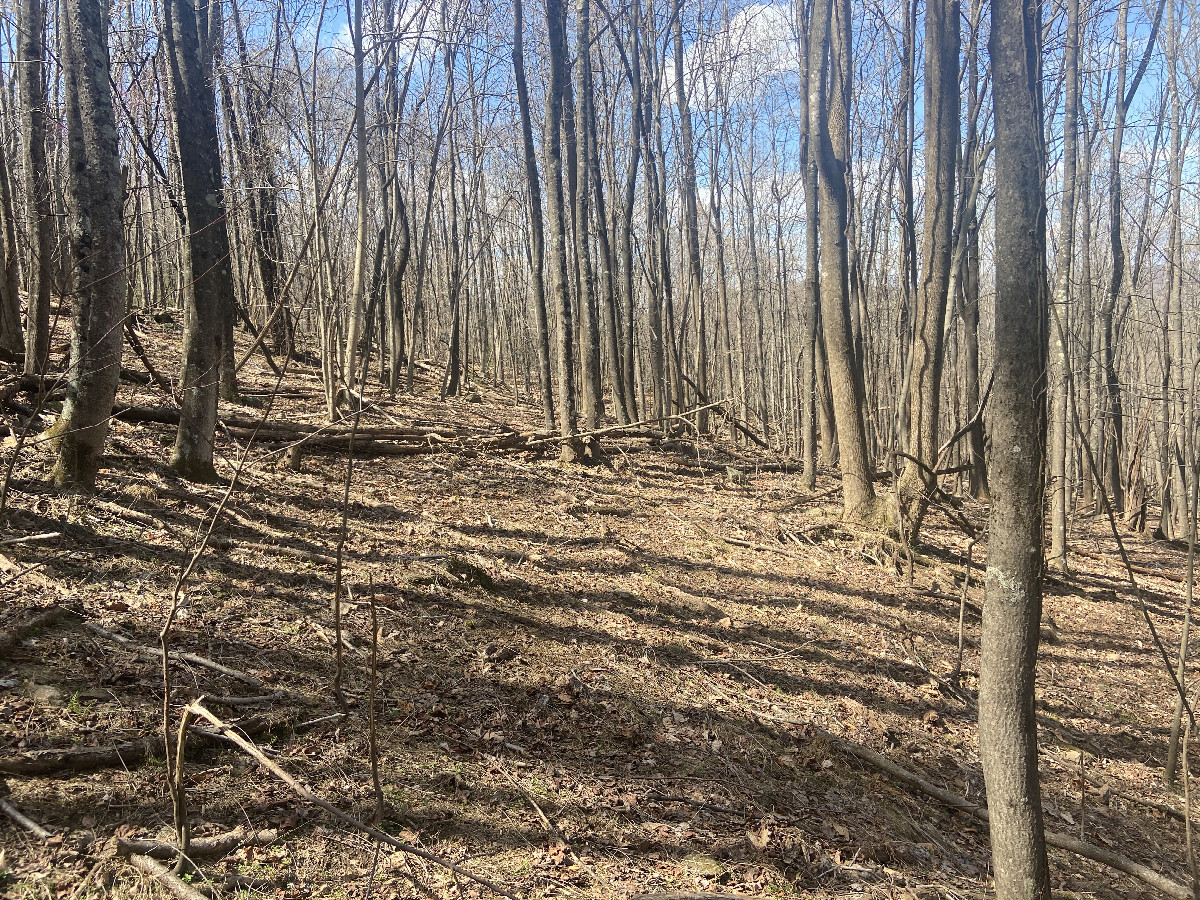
[[305, 793], [31, 538], [217, 845], [1140, 570], [168, 879], [43, 619], [123, 755], [176, 656], [1161, 883], [24, 821]]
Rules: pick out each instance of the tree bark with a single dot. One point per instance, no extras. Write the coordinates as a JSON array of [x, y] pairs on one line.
[[12, 338], [691, 224], [95, 191], [1017, 424], [589, 309]]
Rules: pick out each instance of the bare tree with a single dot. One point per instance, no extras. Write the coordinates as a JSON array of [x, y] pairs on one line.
[[536, 229]]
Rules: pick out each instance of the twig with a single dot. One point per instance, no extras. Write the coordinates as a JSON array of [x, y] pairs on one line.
[[307, 794], [550, 826]]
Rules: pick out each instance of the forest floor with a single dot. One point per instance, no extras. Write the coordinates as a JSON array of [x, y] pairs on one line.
[[632, 678]]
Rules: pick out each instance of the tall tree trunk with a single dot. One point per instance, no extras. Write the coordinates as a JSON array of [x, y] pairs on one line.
[[589, 309], [1017, 425], [917, 482], [831, 49], [691, 225], [1060, 330], [358, 289], [608, 274], [810, 99], [207, 271], [537, 234], [31, 80], [1114, 442], [262, 189], [12, 339], [96, 197], [977, 479]]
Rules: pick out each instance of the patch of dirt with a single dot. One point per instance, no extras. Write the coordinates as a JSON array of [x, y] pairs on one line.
[[581, 673]]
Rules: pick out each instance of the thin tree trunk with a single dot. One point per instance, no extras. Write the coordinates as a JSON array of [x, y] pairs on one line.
[[12, 338], [1060, 328], [589, 310], [537, 234], [559, 226], [691, 225]]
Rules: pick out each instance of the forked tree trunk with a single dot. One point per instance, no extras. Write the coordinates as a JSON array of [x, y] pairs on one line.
[[1017, 425], [206, 266], [96, 197]]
